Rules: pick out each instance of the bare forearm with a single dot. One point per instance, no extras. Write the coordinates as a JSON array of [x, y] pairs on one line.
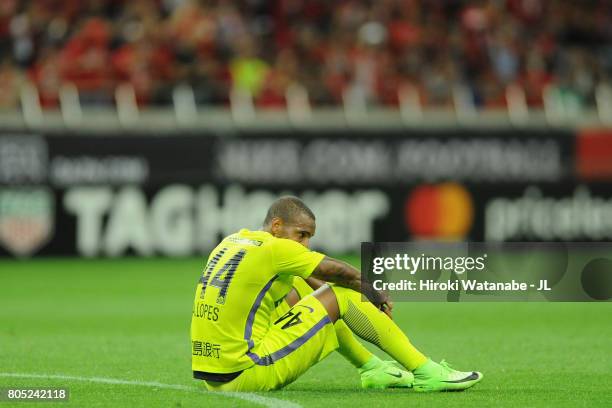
[[343, 274], [315, 283], [338, 272]]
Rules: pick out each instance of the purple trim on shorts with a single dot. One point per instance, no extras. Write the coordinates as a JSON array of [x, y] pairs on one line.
[[291, 347], [248, 328]]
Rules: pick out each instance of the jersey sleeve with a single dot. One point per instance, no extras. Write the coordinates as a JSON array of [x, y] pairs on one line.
[[292, 258]]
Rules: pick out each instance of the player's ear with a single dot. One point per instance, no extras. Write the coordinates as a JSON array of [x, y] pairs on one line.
[[276, 226]]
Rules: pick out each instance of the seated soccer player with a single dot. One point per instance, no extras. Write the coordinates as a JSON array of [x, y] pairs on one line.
[[258, 325]]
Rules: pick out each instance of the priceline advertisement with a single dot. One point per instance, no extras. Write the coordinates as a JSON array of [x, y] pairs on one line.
[[477, 271], [174, 194]]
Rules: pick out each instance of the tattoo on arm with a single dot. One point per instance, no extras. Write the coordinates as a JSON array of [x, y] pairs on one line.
[[343, 274]]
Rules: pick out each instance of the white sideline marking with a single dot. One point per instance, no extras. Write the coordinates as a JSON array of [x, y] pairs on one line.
[[254, 398]]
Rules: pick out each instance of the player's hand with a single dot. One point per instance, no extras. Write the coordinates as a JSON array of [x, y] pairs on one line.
[[383, 302], [387, 307]]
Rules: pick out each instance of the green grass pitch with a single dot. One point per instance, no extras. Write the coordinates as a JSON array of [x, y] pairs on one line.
[[129, 319]]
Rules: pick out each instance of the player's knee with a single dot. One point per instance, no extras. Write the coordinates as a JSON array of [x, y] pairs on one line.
[[343, 295], [328, 299]]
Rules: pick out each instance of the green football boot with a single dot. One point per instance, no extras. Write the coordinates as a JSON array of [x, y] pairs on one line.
[[432, 376], [380, 375]]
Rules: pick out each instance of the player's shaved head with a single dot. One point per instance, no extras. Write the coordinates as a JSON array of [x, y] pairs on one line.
[[289, 209]]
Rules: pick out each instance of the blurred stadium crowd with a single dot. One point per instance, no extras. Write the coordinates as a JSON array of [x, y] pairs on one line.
[[327, 47]]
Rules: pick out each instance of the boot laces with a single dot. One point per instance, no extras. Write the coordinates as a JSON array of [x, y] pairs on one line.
[[446, 366]]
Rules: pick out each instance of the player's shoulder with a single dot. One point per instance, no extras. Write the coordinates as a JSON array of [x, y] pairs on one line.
[[262, 239], [286, 246], [246, 237]]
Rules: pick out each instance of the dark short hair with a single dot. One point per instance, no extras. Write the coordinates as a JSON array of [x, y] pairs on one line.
[[287, 208]]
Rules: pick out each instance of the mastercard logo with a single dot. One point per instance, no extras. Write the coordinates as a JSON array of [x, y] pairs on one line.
[[443, 211]]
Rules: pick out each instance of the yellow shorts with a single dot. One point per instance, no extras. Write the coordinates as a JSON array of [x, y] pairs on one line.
[[302, 288], [296, 341]]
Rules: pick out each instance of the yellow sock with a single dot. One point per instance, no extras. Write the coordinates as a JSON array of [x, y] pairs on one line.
[[350, 347], [374, 326]]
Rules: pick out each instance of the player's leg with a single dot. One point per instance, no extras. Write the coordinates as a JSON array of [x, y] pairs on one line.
[[376, 327], [374, 372], [295, 342], [349, 347]]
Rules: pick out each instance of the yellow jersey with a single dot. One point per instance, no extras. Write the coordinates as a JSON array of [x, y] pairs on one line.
[[246, 276]]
